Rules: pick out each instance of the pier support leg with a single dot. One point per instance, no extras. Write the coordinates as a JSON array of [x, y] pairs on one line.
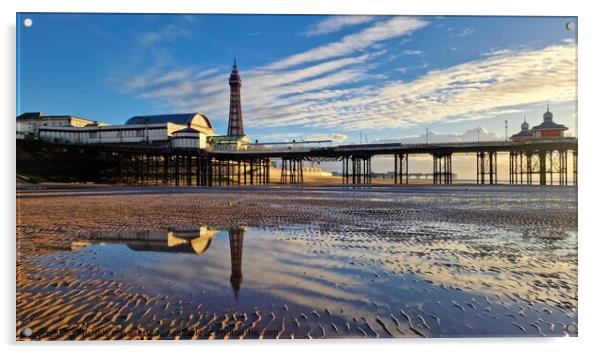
[[518, 163], [200, 163], [283, 172], [487, 167], [177, 170], [442, 169], [529, 167], [553, 167], [542, 168], [345, 172], [401, 169], [187, 168], [512, 166], [291, 171], [361, 169], [251, 171], [268, 164], [575, 167], [396, 168], [141, 167]]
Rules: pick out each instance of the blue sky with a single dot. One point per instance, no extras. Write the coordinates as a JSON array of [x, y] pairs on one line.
[[304, 77]]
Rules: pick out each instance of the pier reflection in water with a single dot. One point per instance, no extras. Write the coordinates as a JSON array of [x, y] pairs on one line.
[[195, 241], [429, 280]]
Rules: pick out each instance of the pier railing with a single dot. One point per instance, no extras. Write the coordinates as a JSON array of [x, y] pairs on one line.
[[292, 146]]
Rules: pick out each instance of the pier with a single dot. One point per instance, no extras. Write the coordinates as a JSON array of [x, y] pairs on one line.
[[542, 161], [185, 150]]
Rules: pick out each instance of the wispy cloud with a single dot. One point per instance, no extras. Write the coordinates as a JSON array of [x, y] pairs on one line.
[[190, 18], [379, 32], [154, 77], [336, 23], [336, 89], [485, 87], [412, 52], [264, 90], [165, 33], [466, 32], [336, 138]]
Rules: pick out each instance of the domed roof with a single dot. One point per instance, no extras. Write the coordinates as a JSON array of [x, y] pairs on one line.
[[522, 133], [548, 115], [195, 120], [548, 123], [524, 126]]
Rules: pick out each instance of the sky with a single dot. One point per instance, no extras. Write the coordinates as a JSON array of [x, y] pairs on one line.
[[348, 79]]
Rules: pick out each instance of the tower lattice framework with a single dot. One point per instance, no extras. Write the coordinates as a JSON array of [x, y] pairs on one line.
[[235, 126]]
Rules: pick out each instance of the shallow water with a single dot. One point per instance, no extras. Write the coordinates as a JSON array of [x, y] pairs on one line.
[[431, 279]]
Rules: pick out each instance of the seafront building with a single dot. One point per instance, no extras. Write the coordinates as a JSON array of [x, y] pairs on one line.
[[30, 123], [160, 129], [182, 130]]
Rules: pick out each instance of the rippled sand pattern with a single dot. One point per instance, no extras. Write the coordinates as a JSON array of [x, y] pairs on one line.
[[315, 263]]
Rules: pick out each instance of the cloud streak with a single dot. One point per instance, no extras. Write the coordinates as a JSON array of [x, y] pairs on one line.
[[381, 31], [335, 88], [166, 33], [336, 23]]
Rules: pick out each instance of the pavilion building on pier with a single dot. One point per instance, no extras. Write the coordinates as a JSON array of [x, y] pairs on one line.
[[548, 129], [164, 129]]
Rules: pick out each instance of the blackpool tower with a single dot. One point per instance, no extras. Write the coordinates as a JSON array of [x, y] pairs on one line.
[[235, 127]]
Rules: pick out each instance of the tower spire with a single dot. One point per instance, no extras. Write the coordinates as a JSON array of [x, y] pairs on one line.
[[235, 126]]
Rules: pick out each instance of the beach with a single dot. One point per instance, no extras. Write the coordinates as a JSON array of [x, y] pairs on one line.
[[296, 262]]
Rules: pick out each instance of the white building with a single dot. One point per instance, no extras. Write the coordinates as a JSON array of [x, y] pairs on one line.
[[29, 124], [189, 138], [139, 129]]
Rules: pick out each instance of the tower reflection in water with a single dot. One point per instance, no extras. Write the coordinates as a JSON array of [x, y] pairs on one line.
[[180, 241], [236, 236]]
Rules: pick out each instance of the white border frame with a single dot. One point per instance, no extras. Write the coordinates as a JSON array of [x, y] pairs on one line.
[[588, 88]]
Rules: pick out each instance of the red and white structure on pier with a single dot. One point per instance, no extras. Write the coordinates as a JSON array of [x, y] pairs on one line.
[[546, 130]]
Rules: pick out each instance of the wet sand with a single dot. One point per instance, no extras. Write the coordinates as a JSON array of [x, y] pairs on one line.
[[317, 263]]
